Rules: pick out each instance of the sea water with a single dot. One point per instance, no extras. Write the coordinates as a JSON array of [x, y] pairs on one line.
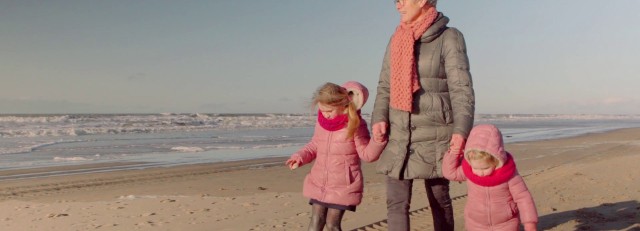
[[167, 139]]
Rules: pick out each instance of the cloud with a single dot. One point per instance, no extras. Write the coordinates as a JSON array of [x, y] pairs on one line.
[[285, 99], [607, 105], [28, 106], [604, 105], [137, 76], [614, 101], [43, 106]]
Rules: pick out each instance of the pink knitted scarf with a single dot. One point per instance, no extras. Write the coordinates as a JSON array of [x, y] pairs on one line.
[[333, 124], [499, 176], [404, 76]]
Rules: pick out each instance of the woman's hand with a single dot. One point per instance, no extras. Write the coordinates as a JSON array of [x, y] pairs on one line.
[[379, 131]]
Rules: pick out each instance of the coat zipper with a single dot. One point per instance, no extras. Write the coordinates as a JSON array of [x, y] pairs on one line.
[[489, 208], [326, 168]]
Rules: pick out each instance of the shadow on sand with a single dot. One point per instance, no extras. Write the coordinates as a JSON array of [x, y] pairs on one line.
[[623, 215]]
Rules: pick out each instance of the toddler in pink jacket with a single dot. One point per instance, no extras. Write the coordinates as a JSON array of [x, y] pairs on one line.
[[498, 198], [340, 140]]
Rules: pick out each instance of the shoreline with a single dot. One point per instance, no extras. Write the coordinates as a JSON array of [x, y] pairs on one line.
[[79, 169], [587, 182], [88, 168]]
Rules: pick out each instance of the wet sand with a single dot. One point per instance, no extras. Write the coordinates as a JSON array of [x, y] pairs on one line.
[[581, 183]]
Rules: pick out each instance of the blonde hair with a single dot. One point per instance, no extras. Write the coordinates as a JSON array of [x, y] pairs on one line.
[[334, 95], [481, 155]]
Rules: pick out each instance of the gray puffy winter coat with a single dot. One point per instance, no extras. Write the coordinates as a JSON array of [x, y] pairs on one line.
[[444, 105]]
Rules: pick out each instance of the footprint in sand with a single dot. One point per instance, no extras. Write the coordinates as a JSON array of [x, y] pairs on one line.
[[148, 214], [249, 204], [54, 215]]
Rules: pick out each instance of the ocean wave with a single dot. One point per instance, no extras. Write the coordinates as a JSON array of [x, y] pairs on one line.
[[516, 117], [187, 149], [245, 147], [81, 125], [97, 124], [75, 158]]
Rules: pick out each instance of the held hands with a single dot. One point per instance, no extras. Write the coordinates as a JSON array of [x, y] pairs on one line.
[[379, 131], [292, 163], [530, 226], [457, 144]]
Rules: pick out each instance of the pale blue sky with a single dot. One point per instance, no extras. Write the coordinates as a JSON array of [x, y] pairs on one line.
[[239, 56]]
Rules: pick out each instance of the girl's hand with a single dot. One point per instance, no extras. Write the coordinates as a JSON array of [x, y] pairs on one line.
[[457, 144], [379, 132], [530, 226], [292, 163]]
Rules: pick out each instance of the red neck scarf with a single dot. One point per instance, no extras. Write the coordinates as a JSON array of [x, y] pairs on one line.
[[498, 176], [333, 124], [404, 76]]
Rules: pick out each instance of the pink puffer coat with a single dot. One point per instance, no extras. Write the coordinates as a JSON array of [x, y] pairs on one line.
[[491, 207], [336, 176]]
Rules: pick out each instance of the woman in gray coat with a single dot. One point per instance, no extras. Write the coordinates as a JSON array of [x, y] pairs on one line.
[[425, 105]]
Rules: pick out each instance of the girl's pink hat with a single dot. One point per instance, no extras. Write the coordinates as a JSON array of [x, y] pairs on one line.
[[486, 138], [358, 92]]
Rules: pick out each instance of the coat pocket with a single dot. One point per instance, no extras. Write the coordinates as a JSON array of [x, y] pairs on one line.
[[347, 173], [504, 211], [352, 172]]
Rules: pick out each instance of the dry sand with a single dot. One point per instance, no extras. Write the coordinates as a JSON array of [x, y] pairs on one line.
[[589, 182]]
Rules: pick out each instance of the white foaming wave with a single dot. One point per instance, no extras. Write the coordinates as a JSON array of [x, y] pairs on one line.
[[15, 150], [516, 117], [78, 125], [266, 146], [38, 132], [275, 146], [34, 119], [187, 149], [226, 147], [73, 159]]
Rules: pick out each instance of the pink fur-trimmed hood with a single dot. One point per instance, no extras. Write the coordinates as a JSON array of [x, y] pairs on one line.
[[486, 138], [358, 92]]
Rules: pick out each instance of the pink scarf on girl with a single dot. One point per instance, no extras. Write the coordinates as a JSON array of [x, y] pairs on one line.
[[333, 124], [499, 176], [404, 76]]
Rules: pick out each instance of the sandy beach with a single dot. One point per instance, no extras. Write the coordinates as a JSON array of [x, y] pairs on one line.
[[588, 182]]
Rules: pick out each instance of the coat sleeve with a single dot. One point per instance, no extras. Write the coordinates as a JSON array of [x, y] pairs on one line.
[[368, 149], [381, 104], [451, 167], [524, 200], [456, 63], [307, 153]]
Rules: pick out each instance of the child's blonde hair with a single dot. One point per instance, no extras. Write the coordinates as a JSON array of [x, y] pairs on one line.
[[481, 155], [334, 95]]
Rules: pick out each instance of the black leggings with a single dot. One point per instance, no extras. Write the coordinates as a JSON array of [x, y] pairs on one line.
[[321, 216], [399, 200]]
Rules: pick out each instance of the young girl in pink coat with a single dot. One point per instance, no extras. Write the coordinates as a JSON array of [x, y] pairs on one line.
[[498, 198], [340, 140]]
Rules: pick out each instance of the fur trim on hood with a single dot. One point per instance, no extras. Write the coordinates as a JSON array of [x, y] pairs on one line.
[[486, 138], [358, 92]]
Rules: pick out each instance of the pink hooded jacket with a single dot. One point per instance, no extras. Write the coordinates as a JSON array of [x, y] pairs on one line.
[[336, 176], [491, 207]]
